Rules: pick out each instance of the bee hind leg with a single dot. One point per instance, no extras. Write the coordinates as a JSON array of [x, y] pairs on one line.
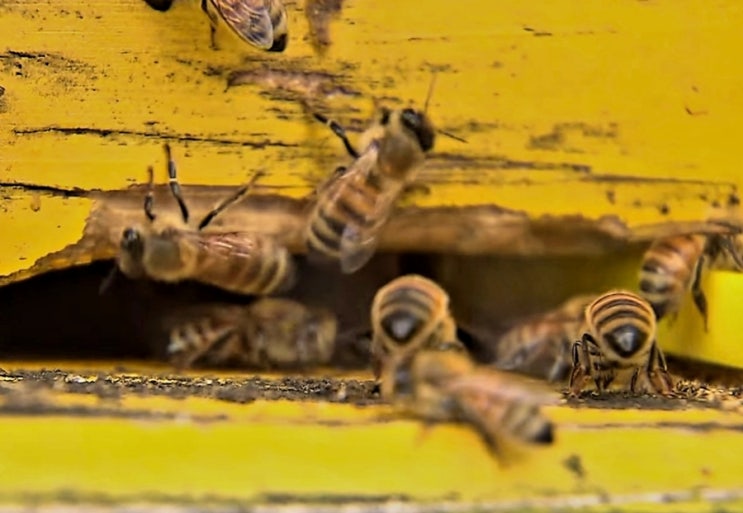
[[580, 374], [700, 300], [339, 131], [175, 187], [212, 26], [657, 372]]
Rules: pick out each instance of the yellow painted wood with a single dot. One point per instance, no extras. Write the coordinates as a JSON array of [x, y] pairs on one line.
[[226, 452], [723, 342], [618, 108]]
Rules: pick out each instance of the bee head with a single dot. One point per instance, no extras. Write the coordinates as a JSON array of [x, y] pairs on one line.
[[419, 124], [627, 341], [131, 253], [132, 243]]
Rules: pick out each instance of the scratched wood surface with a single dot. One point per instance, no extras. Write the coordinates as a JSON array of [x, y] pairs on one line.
[[588, 127], [567, 111], [585, 129]]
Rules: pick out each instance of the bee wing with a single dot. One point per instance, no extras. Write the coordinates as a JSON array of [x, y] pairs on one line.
[[503, 386], [228, 245], [357, 248], [502, 408], [359, 240], [249, 19]]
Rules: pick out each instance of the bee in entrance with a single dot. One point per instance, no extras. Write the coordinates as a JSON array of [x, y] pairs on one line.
[[261, 23], [243, 263], [541, 345], [409, 313], [268, 333], [446, 386], [619, 338], [355, 203], [673, 265], [426, 372]]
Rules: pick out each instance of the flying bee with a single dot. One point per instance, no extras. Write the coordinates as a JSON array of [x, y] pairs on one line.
[[446, 386], [619, 336], [261, 23], [268, 333], [244, 263], [354, 204], [673, 265], [541, 345], [409, 313]]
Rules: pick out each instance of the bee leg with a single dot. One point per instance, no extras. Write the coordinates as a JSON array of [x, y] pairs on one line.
[[212, 26], [149, 196], [580, 373], [700, 300], [175, 187], [242, 191], [728, 244], [339, 131], [633, 381], [658, 372]]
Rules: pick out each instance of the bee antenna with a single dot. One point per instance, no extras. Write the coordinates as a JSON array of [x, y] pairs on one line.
[[242, 191], [452, 136], [108, 280], [430, 92]]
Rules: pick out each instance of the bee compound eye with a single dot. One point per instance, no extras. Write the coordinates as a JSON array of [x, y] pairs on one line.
[[418, 124]]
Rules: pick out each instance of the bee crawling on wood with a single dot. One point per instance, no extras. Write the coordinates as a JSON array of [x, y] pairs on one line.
[[169, 251], [541, 345], [410, 313], [619, 338], [260, 23], [673, 265], [426, 372], [355, 203], [268, 333]]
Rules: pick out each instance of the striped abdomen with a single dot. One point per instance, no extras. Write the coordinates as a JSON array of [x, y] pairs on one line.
[[540, 348], [668, 268], [271, 332], [348, 203], [411, 309], [242, 263], [212, 337], [541, 345], [623, 326]]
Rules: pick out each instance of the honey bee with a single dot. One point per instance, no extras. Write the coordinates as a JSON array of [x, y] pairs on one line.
[[261, 23], [541, 345], [354, 204], [244, 263], [673, 265], [409, 313], [446, 386], [619, 337], [268, 333]]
